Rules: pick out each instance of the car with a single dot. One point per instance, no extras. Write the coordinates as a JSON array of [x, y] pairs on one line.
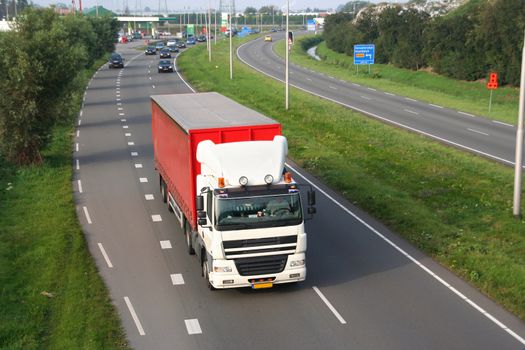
[[116, 61], [165, 53], [268, 38], [171, 43], [159, 45], [201, 38], [191, 41], [165, 66], [137, 35], [181, 44], [173, 48], [150, 50]]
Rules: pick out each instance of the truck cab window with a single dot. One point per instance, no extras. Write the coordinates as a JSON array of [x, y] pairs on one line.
[[257, 212]]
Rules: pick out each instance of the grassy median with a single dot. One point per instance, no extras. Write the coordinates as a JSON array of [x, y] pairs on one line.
[[51, 296], [470, 97], [455, 206]]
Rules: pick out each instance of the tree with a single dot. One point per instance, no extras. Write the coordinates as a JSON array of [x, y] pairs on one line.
[[250, 11], [40, 62]]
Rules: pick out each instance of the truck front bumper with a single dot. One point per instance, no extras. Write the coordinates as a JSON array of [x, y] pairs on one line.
[[235, 280]]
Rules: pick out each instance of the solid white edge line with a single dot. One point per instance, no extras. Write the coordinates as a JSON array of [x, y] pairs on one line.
[[330, 306], [467, 114], [105, 255], [408, 256], [382, 118], [502, 123], [180, 76], [86, 213], [134, 316], [80, 186]]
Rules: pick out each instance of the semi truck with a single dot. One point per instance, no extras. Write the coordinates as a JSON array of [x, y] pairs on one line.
[[222, 173]]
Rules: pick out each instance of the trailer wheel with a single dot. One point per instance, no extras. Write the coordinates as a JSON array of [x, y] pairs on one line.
[[187, 236], [205, 272], [163, 191]]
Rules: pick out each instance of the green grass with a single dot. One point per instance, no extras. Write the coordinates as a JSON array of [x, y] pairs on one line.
[[42, 249], [454, 206], [470, 97]]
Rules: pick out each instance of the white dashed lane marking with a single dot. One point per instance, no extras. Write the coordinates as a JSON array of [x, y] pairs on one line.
[[193, 326], [149, 197], [134, 316], [165, 244], [134, 154], [177, 279], [86, 213], [105, 255], [131, 143], [156, 218], [138, 166], [478, 132], [143, 179]]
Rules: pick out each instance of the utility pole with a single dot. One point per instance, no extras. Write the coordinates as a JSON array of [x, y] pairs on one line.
[[519, 141]]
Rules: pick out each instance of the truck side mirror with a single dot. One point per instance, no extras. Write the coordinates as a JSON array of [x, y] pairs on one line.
[[202, 222], [199, 203], [201, 214], [311, 198]]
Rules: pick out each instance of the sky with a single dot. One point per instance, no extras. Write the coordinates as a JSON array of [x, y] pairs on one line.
[[195, 5]]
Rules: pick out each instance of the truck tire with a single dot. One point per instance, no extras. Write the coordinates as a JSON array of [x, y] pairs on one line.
[[205, 272], [187, 237], [163, 191]]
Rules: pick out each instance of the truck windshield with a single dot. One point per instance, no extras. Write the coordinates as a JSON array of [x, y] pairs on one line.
[[257, 212]]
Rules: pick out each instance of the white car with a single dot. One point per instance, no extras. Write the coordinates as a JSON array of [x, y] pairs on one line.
[[171, 43]]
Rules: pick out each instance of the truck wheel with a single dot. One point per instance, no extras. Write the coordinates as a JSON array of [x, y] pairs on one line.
[[206, 274], [187, 236], [163, 191]]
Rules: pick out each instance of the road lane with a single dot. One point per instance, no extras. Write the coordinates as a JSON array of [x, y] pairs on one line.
[[447, 126]]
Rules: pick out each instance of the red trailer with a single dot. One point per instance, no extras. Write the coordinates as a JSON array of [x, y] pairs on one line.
[[180, 122]]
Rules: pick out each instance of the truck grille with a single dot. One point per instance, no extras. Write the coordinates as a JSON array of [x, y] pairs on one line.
[[260, 246], [261, 265]]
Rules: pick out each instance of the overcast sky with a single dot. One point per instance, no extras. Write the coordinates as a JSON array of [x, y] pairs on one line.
[[175, 6]]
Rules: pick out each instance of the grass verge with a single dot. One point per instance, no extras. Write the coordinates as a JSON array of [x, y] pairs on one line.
[[471, 97], [51, 296], [454, 206]]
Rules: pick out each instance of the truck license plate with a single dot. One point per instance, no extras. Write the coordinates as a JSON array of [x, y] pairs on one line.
[[262, 285]]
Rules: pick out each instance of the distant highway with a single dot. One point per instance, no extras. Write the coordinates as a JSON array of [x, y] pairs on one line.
[[366, 287], [488, 138]]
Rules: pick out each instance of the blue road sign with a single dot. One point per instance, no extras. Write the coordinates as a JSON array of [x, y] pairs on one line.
[[364, 54]]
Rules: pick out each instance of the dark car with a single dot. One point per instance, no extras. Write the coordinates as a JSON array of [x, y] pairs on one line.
[[201, 38], [173, 48], [191, 41], [150, 50], [165, 53], [165, 66], [181, 44], [116, 61]]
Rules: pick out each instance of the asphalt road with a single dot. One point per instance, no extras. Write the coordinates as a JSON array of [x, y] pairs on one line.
[[366, 288], [488, 138]]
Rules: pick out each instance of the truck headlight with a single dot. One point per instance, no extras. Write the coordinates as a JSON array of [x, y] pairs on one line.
[[222, 269], [297, 263]]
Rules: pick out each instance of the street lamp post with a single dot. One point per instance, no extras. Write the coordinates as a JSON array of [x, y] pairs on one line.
[[231, 45], [287, 90], [519, 141]]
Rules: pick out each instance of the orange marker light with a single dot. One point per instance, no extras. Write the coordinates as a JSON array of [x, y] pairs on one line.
[[287, 177], [221, 182]]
